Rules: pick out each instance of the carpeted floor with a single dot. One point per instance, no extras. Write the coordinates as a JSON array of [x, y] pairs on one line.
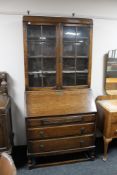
[[96, 167]]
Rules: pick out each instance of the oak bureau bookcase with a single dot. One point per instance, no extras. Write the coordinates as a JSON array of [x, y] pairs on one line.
[[60, 107]]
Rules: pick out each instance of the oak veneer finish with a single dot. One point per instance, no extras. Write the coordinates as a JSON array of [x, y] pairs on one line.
[[53, 102], [58, 22], [60, 131], [60, 119], [60, 122], [56, 145], [109, 111], [41, 19]]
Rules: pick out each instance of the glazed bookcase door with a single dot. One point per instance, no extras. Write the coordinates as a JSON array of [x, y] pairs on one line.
[[75, 55], [57, 53], [41, 41]]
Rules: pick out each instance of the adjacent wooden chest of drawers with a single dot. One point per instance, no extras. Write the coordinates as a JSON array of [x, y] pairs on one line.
[[107, 108]]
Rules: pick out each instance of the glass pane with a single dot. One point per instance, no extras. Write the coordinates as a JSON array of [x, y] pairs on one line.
[[49, 32], [68, 79], [75, 55], [69, 33], [82, 48], [49, 64], [82, 32], [34, 64], [41, 55], [82, 64], [68, 64], [34, 32], [48, 49], [34, 48], [35, 80], [49, 80], [69, 49], [81, 79]]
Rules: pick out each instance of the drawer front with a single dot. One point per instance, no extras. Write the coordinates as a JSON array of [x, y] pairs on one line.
[[114, 118], [60, 131], [114, 130], [54, 145], [36, 122]]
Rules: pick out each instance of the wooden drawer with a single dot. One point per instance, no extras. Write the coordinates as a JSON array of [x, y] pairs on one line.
[[36, 122], [114, 118], [114, 130], [60, 131], [55, 145]]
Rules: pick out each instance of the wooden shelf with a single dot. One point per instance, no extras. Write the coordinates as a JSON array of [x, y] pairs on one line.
[[76, 71], [41, 72], [80, 56]]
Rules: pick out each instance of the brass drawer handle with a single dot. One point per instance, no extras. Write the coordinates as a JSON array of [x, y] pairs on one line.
[[41, 146], [79, 119], [82, 131], [81, 143], [41, 134], [47, 122], [60, 121]]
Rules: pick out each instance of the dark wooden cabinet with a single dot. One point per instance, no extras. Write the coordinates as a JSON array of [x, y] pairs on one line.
[[5, 117], [60, 107]]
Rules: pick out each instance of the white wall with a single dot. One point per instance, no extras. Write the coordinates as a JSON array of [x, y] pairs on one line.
[[11, 61], [104, 39], [11, 43], [105, 8]]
